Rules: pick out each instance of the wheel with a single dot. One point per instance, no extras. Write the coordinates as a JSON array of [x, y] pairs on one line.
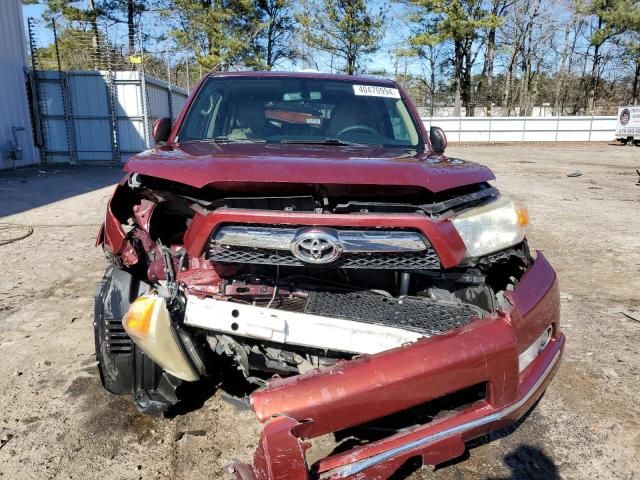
[[123, 366]]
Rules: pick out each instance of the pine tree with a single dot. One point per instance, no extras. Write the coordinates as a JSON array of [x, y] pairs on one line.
[[611, 18], [458, 21], [346, 29], [221, 33], [277, 27], [125, 12]]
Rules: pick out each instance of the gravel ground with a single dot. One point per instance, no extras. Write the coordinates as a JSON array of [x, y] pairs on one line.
[[57, 422]]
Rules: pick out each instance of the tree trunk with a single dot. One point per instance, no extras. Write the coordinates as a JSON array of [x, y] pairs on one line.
[[561, 72], [507, 91], [131, 26], [533, 91], [506, 95], [591, 98], [432, 66], [572, 51], [270, 46], [458, 55], [491, 52], [351, 68], [95, 35], [524, 92], [351, 59], [525, 95], [466, 87], [635, 91]]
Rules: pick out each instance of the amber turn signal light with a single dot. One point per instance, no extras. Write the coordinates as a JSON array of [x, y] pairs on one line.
[[137, 321], [523, 215]]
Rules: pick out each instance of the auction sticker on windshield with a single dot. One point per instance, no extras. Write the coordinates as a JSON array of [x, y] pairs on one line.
[[374, 91]]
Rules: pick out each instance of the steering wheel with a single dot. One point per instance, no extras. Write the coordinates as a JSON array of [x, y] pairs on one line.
[[362, 128]]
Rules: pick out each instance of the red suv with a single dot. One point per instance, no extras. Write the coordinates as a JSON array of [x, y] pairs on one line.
[[309, 228]]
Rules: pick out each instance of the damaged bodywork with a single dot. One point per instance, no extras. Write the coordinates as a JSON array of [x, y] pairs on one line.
[[369, 288]]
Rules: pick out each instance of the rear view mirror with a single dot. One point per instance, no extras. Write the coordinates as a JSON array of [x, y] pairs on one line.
[[438, 139], [161, 130]]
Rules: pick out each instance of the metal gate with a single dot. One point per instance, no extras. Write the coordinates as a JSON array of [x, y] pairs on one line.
[[99, 116]]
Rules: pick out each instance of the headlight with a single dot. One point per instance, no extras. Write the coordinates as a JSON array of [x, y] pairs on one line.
[[149, 325], [492, 227]]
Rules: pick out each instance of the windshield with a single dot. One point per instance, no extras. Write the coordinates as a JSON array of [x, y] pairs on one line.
[[299, 110]]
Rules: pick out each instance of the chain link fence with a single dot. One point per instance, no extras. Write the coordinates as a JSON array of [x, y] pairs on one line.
[[100, 115]]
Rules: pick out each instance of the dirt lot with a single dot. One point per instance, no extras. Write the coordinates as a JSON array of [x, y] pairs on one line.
[[57, 422]]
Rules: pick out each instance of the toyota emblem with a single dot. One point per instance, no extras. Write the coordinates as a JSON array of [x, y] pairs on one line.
[[316, 246]]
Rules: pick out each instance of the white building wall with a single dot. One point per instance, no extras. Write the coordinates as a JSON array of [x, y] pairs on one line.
[[14, 109]]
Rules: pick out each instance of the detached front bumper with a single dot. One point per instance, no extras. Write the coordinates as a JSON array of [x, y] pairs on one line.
[[352, 393]]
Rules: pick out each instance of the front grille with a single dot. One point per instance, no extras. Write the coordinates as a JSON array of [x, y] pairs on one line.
[[118, 342], [288, 304], [424, 260], [421, 315], [417, 314]]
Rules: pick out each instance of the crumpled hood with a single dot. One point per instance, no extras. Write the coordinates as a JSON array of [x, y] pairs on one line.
[[199, 164]]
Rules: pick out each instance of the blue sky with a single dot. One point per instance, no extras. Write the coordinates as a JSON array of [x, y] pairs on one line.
[[395, 32]]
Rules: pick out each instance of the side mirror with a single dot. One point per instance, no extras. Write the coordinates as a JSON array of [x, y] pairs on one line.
[[161, 130], [438, 139]]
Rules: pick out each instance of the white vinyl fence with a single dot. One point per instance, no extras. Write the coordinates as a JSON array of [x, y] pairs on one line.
[[90, 116], [525, 129]]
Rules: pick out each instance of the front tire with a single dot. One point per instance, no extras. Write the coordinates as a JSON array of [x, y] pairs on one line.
[[124, 368]]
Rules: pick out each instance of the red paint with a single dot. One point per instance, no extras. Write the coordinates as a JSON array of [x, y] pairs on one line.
[[199, 164], [540, 299], [143, 213], [473, 413], [442, 235], [203, 277], [280, 455], [364, 389], [100, 236], [113, 232], [112, 235], [361, 390]]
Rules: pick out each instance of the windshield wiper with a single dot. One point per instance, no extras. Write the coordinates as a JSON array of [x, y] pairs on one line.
[[226, 139], [223, 139], [323, 141]]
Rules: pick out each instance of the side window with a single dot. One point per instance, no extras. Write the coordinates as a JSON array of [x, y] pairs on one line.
[[398, 123], [201, 117], [403, 129]]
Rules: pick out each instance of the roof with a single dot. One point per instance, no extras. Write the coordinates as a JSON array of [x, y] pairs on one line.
[[307, 74]]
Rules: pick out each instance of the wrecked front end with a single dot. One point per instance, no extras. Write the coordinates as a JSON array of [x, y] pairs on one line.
[[374, 327]]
